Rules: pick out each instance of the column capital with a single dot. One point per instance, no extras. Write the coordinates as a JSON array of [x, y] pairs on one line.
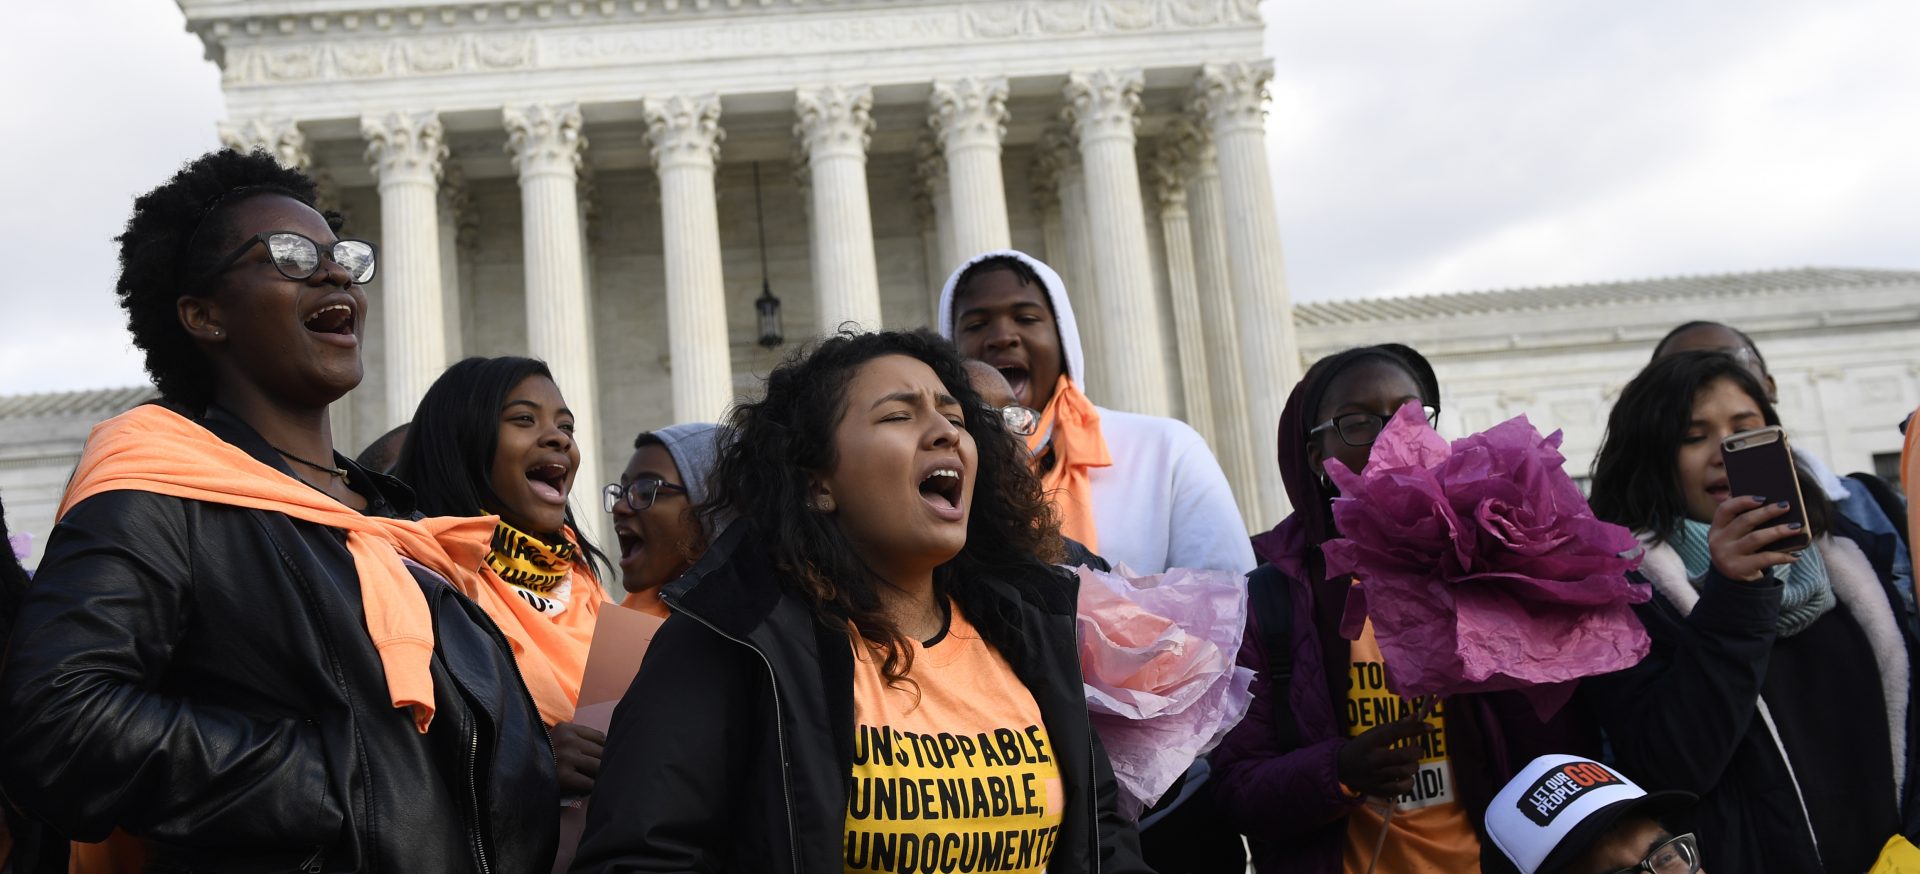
[[405, 147], [280, 137], [834, 121], [929, 165], [458, 199], [969, 110], [1195, 143], [1166, 170], [1104, 103], [1232, 96], [544, 138], [684, 130], [1044, 178]]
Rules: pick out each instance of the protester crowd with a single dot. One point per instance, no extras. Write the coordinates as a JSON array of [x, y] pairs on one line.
[[248, 648]]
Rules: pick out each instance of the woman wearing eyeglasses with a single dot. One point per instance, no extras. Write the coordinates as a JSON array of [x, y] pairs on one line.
[[653, 505], [1330, 771], [240, 649], [494, 437]]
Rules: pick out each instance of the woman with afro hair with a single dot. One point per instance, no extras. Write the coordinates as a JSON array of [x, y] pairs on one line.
[[241, 649]]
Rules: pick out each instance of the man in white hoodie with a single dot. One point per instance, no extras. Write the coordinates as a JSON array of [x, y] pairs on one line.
[[1143, 491]]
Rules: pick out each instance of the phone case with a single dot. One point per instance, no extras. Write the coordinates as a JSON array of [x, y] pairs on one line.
[[1760, 462]]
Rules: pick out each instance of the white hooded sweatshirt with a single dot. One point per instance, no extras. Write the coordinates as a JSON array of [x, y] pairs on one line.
[[1164, 502]]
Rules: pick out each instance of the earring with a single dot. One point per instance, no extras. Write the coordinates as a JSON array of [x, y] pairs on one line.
[[216, 332], [823, 504]]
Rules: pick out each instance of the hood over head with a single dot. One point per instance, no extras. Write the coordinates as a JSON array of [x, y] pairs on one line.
[[1075, 364], [1312, 510], [695, 447]]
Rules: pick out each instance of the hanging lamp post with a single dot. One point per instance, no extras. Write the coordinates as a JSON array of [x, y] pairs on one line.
[[767, 305]]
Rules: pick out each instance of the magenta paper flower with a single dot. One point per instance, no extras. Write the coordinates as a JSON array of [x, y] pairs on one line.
[[1481, 564]]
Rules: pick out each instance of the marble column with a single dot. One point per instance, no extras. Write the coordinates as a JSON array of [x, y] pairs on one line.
[[1105, 106], [684, 135], [457, 226], [1232, 98], [1170, 195], [545, 142], [1233, 437], [282, 138], [834, 130], [1076, 268], [1045, 179], [406, 151], [930, 178], [969, 121]]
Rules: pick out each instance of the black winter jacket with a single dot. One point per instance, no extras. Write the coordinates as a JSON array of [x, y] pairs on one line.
[[733, 749], [200, 676], [1692, 715]]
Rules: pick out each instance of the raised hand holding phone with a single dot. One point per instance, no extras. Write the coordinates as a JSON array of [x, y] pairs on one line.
[[1746, 537]]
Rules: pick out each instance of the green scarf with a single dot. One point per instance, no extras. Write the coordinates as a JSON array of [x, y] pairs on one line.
[[1808, 595]]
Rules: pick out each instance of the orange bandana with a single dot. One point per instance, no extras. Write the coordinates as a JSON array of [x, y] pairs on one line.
[[152, 449], [550, 647], [1071, 425]]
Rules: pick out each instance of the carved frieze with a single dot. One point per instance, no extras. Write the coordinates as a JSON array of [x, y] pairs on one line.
[[472, 38]]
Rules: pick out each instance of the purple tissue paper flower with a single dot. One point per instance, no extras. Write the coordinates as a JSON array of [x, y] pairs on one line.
[[1481, 564]]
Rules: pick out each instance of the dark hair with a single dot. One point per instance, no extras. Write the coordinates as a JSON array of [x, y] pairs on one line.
[[448, 455], [977, 269], [177, 230], [1636, 481], [13, 583], [383, 453], [763, 475], [1677, 331]]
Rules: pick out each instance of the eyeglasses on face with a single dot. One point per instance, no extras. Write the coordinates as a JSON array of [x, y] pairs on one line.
[[297, 256], [638, 495], [1678, 856], [1020, 420], [1361, 429]]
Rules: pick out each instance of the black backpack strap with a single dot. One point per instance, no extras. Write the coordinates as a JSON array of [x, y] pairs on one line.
[[1272, 606], [1888, 500]]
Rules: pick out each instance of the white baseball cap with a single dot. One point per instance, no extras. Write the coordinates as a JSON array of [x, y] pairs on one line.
[[1558, 806]]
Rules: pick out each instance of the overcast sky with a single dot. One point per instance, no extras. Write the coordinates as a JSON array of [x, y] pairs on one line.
[[1418, 147]]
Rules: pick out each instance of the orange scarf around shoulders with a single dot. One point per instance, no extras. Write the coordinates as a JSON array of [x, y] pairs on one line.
[[152, 449], [550, 650], [1071, 425]]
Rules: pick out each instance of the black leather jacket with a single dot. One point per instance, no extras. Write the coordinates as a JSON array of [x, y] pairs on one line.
[[199, 676], [733, 748]]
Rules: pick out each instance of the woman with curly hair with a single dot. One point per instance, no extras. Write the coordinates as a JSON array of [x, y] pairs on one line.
[[238, 649], [887, 678]]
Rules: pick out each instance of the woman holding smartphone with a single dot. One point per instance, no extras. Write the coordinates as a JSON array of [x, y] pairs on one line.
[[1777, 688]]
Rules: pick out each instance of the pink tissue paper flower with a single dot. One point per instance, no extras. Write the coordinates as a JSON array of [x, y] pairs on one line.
[[1481, 564], [1157, 658]]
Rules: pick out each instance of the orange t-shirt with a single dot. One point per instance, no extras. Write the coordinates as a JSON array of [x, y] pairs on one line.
[[1430, 830], [956, 775]]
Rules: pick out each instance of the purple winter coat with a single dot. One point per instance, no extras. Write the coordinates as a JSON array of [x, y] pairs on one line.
[[1289, 804]]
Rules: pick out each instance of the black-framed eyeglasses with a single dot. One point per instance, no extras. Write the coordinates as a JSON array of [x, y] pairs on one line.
[[1678, 856], [297, 256], [639, 495], [1361, 429], [1020, 420]]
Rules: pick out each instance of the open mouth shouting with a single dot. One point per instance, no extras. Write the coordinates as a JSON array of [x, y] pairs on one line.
[[549, 481], [334, 322], [943, 488]]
